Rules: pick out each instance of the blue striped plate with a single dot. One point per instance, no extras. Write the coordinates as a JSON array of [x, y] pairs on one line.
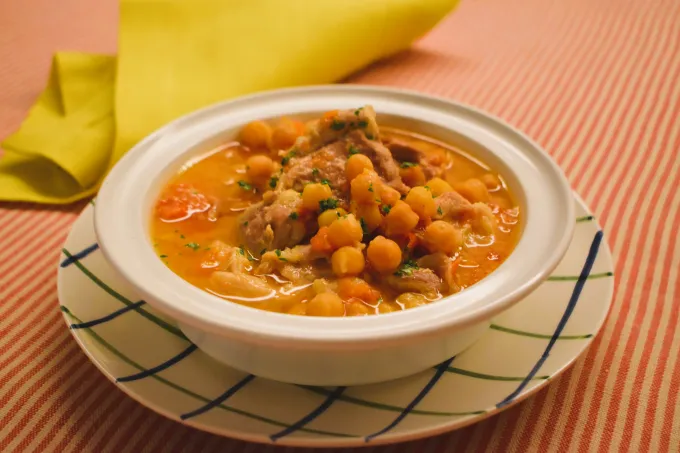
[[147, 356]]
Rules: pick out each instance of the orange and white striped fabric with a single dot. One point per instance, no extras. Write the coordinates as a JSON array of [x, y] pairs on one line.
[[596, 83]]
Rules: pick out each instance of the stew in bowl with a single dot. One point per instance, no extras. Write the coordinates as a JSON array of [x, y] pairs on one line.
[[335, 216]]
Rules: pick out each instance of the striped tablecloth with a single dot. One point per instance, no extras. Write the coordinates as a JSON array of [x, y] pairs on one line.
[[597, 83]]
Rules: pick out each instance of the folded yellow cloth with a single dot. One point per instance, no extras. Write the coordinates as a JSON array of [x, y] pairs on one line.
[[179, 55]]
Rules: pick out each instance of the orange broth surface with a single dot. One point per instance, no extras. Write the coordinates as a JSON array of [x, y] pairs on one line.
[[203, 206]]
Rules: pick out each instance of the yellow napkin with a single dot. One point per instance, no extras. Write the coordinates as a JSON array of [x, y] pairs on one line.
[[179, 55]]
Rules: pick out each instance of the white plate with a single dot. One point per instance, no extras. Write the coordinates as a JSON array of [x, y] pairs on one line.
[[150, 360]]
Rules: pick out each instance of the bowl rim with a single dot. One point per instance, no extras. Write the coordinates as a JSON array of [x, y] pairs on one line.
[[122, 238]]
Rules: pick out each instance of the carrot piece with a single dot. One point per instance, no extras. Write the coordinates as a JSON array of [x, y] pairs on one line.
[[320, 242], [356, 288], [299, 127], [330, 114], [412, 241]]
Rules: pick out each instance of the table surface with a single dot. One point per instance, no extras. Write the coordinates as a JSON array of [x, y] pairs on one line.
[[596, 83]]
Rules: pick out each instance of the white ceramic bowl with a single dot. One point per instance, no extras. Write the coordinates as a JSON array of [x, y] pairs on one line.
[[335, 351]]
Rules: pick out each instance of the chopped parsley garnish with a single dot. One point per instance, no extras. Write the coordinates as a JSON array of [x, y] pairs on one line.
[[278, 254], [328, 203], [181, 236], [241, 251], [337, 125], [362, 123], [287, 158], [315, 171], [244, 185], [370, 187], [353, 150], [408, 164], [326, 182], [369, 136], [245, 223], [192, 245], [357, 111], [293, 215], [439, 210], [273, 182], [263, 251], [386, 209], [163, 256], [364, 226], [407, 268]]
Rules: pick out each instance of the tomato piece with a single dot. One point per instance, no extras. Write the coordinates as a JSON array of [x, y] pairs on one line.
[[180, 202]]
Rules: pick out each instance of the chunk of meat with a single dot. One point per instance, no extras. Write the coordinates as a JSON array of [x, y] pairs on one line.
[[334, 125], [452, 205], [430, 163], [241, 285], [269, 224], [328, 165], [382, 159], [422, 280], [295, 264], [226, 258], [444, 266], [325, 165]]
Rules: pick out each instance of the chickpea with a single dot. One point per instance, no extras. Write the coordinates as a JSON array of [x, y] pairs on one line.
[[483, 221], [329, 216], [388, 195], [298, 309], [421, 201], [384, 255], [441, 236], [474, 190], [359, 309], [312, 194], [368, 215], [412, 176], [326, 304], [411, 300], [438, 186], [356, 164], [257, 134], [347, 261], [386, 307], [364, 188], [345, 231], [259, 168], [285, 133], [501, 201], [401, 219], [491, 181]]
